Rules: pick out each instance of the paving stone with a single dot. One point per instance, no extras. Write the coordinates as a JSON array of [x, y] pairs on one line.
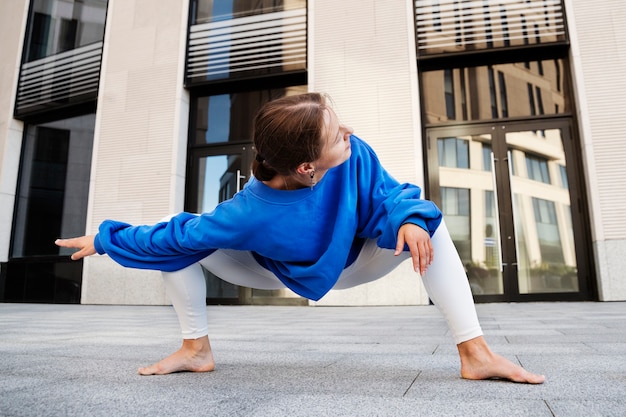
[[81, 360]]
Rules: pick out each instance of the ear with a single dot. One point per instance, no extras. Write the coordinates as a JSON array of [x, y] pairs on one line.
[[305, 168]]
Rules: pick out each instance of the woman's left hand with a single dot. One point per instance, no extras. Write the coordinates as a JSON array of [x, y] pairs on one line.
[[418, 241]]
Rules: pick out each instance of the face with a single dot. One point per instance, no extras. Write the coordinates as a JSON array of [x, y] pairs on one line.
[[336, 137]]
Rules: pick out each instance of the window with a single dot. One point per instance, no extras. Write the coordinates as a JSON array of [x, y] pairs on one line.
[[564, 181], [220, 155], [51, 202], [455, 201], [531, 100], [537, 169], [490, 204], [487, 166], [492, 93], [453, 153], [215, 11], [54, 185], [482, 93], [225, 118], [453, 26], [503, 96], [539, 100], [237, 39], [455, 205], [449, 94], [548, 231], [463, 93], [61, 25], [62, 54], [557, 70]]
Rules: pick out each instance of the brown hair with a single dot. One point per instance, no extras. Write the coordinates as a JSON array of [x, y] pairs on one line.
[[288, 132]]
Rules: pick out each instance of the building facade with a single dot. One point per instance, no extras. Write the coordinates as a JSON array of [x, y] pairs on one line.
[[506, 112]]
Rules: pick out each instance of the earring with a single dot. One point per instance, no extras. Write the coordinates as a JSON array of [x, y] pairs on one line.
[[312, 179]]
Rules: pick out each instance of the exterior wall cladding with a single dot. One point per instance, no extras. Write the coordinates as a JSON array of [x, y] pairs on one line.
[[362, 53]]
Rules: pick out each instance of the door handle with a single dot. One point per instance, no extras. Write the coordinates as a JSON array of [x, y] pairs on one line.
[[497, 210], [239, 178], [510, 168]]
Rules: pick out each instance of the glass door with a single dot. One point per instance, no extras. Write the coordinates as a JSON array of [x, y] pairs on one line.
[[506, 192], [217, 174], [220, 155], [463, 184], [542, 211]]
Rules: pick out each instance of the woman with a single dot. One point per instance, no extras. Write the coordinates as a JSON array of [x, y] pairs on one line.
[[320, 213]]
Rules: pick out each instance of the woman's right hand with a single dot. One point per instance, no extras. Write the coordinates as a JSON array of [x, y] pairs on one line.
[[84, 244]]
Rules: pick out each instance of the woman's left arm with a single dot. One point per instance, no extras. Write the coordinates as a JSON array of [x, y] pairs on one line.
[[392, 212]]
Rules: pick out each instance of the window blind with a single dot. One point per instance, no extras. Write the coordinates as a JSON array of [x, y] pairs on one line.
[[270, 42], [59, 78], [445, 26]]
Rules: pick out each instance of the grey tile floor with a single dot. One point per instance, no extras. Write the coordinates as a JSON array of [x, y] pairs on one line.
[[81, 360]]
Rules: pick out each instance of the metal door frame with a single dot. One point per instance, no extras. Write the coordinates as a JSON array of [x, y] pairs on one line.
[[246, 150], [580, 215]]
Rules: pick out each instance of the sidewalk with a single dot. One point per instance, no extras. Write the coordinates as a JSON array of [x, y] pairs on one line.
[[77, 360]]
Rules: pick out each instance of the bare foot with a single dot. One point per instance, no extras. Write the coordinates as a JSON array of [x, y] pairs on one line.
[[194, 355], [479, 362]]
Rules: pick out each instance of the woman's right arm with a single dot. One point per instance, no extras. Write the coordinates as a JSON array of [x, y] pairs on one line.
[[167, 246], [159, 247], [84, 244]]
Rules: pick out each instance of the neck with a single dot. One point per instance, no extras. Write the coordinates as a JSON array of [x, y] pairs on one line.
[[287, 182]]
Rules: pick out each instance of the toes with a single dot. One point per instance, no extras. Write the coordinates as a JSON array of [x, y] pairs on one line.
[[144, 371], [526, 377], [149, 370], [537, 379]]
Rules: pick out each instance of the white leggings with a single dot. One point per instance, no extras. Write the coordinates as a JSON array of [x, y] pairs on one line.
[[445, 281]]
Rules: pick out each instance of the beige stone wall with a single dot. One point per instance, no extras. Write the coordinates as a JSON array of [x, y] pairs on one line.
[[362, 53], [598, 57], [12, 26], [140, 142]]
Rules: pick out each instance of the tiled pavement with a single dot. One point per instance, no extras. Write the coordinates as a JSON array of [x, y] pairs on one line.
[[81, 360]]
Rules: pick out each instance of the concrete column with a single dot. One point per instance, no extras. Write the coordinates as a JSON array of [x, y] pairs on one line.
[[138, 166], [598, 57], [362, 53]]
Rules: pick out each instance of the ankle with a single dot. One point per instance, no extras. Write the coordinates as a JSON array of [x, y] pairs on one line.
[[199, 345], [474, 348]]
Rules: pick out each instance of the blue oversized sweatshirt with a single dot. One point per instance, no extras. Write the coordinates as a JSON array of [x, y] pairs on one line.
[[306, 237]]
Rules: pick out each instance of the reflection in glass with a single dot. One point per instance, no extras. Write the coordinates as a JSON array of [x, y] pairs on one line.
[[218, 10], [453, 152], [219, 120], [53, 186], [62, 25], [546, 258], [455, 206], [219, 178], [453, 26], [233, 39], [537, 169], [228, 117], [469, 205], [475, 93]]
